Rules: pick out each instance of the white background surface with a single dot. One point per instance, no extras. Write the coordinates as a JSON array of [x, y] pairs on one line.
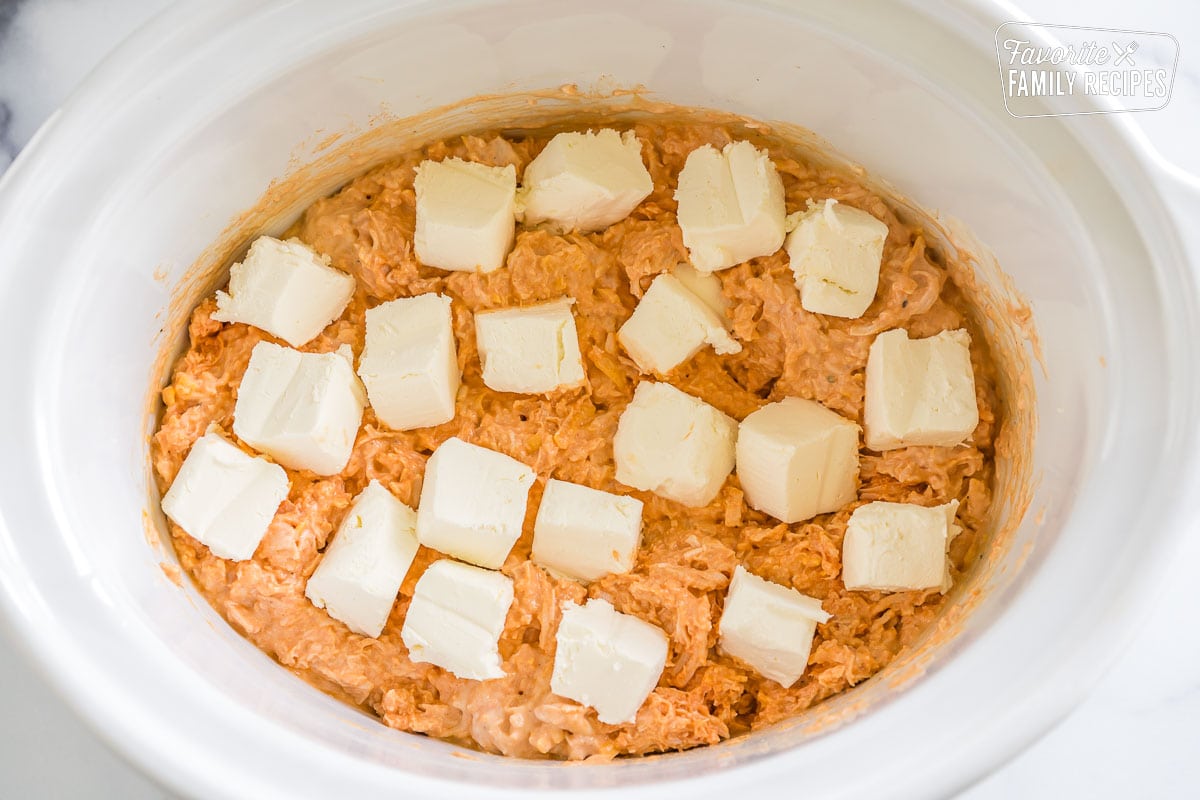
[[1136, 736]]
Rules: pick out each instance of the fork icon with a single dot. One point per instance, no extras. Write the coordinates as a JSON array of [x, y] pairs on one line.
[[1124, 54]]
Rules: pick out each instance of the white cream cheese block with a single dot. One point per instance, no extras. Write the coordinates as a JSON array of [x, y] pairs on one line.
[[585, 533], [456, 617], [530, 350], [704, 285], [286, 289], [768, 626], [360, 573], [466, 214], [472, 502], [674, 445], [584, 181], [302, 409], [670, 325], [607, 660], [895, 547], [797, 459], [731, 206], [835, 253], [919, 391], [409, 362], [224, 498]]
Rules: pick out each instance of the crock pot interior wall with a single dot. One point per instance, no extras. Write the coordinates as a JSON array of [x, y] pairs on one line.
[[912, 102]]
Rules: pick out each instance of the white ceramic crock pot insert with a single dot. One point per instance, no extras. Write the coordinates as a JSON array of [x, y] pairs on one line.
[[191, 121]]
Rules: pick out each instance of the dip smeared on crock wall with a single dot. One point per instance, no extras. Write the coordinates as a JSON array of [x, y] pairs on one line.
[[688, 556]]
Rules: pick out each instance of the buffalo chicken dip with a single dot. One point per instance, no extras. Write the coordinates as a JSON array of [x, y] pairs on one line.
[[584, 444]]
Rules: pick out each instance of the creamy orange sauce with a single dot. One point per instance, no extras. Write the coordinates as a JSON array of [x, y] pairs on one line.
[[688, 555]]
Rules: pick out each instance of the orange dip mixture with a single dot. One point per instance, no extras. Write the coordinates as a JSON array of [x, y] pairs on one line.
[[687, 555]]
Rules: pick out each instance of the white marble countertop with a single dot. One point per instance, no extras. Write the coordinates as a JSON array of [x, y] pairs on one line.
[[1134, 737]]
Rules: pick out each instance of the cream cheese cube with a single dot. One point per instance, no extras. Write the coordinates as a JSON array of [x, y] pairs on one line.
[[302, 409], [835, 253], [531, 350], [674, 445], [768, 626], [409, 362], [895, 547], [286, 289], [704, 285], [224, 498], [472, 502], [670, 325], [584, 533], [797, 459], [360, 573], [919, 391], [730, 205], [607, 660], [466, 214], [456, 617], [585, 181]]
